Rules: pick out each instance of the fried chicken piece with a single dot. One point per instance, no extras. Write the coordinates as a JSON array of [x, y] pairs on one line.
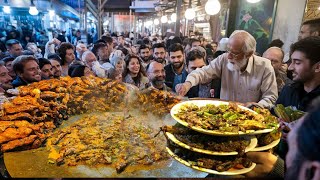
[[14, 133], [18, 116], [10, 108], [51, 95], [50, 84], [25, 100], [18, 143], [10, 124], [49, 125], [120, 165]]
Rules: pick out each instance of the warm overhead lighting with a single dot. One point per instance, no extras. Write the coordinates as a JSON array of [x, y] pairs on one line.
[[164, 19], [212, 7], [149, 23], [33, 9], [156, 22], [253, 1], [173, 17], [190, 14], [319, 8], [7, 9]]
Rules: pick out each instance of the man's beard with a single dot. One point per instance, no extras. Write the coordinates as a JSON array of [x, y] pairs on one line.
[[157, 82], [177, 65], [160, 60], [145, 59], [237, 65]]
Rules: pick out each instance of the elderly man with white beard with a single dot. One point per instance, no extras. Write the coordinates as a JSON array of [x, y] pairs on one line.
[[245, 78]]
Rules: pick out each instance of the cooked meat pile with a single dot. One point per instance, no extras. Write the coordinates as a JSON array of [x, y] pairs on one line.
[[157, 102], [217, 163], [27, 120], [265, 139], [207, 142], [225, 118], [107, 138]]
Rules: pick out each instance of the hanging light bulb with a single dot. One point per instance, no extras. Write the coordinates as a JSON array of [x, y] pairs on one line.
[[7, 9], [156, 22], [33, 9], [173, 17], [212, 7], [164, 19], [253, 1], [106, 23], [51, 12], [190, 14]]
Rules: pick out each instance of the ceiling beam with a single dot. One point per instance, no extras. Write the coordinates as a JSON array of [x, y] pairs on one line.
[[93, 11], [90, 3], [103, 3]]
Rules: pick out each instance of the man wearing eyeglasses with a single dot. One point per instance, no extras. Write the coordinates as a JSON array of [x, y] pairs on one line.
[[245, 78]]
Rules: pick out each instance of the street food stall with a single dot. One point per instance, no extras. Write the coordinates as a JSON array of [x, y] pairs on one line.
[[96, 127]]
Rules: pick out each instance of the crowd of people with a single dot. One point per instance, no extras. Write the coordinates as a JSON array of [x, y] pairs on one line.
[[229, 70]]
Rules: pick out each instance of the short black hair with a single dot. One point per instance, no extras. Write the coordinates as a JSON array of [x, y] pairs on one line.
[[99, 41], [7, 59], [97, 46], [310, 46], [124, 50], [176, 40], [158, 45], [193, 55], [276, 43], [175, 47], [108, 40], [146, 41], [78, 71], [314, 25], [143, 46], [20, 61], [42, 62], [192, 40], [55, 56], [11, 42], [62, 50]]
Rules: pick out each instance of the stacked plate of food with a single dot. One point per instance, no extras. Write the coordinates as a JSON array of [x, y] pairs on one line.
[[213, 136]]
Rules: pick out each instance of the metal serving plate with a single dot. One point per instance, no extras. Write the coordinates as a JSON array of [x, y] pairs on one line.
[[175, 109], [225, 173], [252, 145]]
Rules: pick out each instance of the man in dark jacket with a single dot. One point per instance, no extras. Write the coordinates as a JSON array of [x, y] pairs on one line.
[[306, 74], [175, 70]]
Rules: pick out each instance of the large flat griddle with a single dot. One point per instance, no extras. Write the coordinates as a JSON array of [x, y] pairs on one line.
[[34, 164]]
